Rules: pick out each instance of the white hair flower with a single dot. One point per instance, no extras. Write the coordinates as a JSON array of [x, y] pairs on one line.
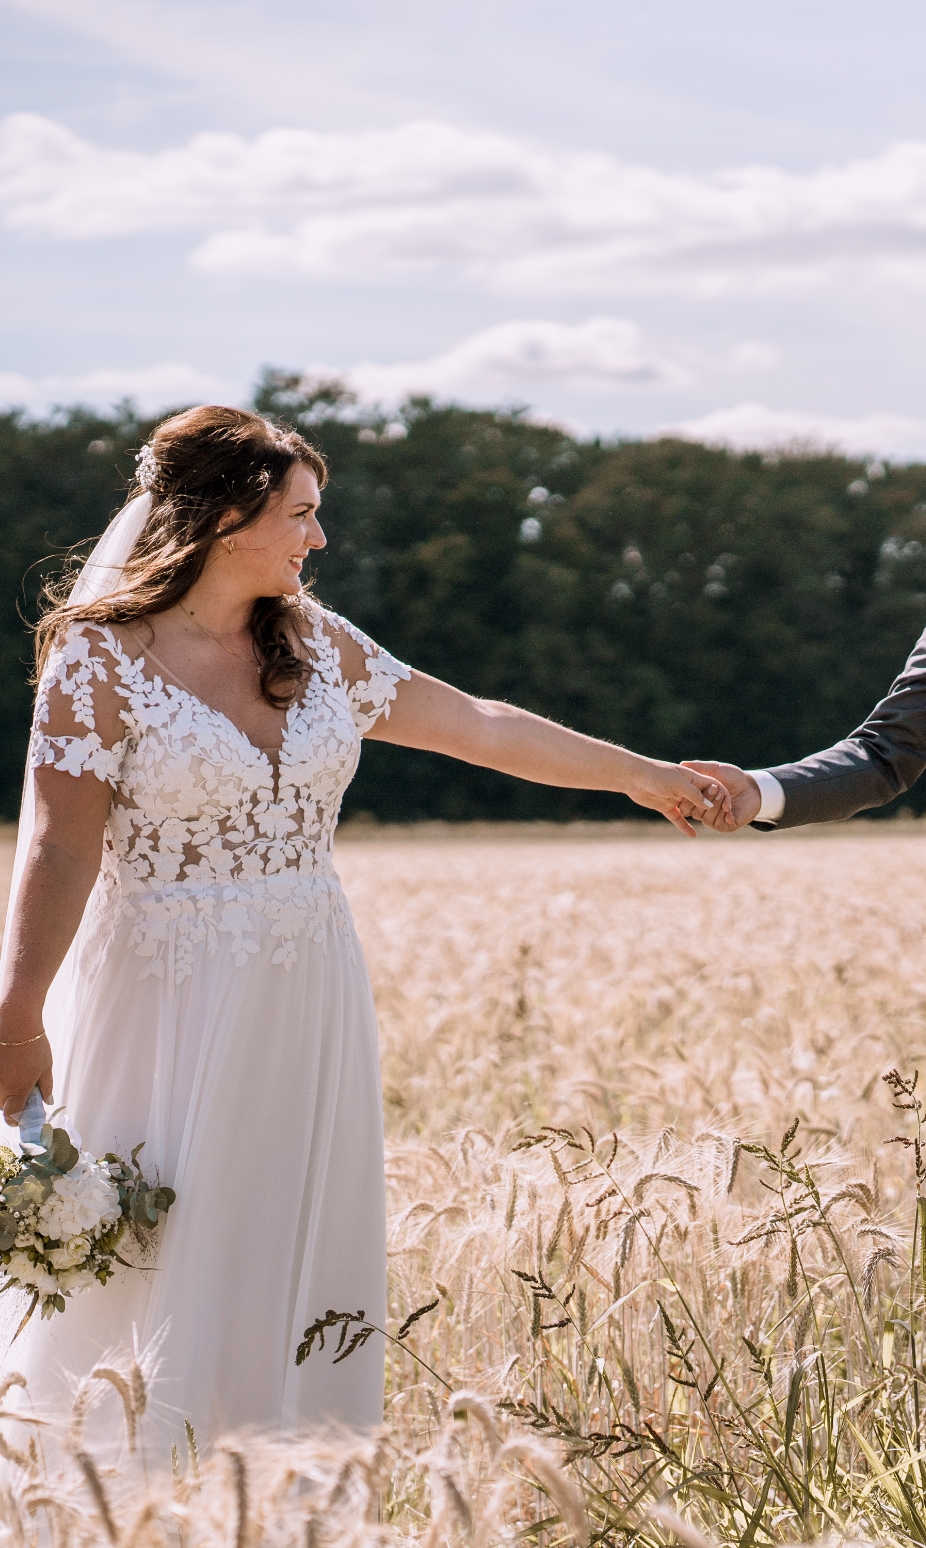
[[146, 466]]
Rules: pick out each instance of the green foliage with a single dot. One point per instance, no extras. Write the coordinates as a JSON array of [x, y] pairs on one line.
[[680, 599], [142, 1203], [335, 1319], [819, 1431], [363, 1332]]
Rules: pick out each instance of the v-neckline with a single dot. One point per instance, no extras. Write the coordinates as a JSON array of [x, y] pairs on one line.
[[262, 752]]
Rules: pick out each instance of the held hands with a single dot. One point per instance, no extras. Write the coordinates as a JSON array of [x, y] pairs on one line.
[[25, 1061], [682, 792], [744, 792]]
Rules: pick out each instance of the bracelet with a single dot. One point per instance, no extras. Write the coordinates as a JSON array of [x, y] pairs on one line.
[[21, 1043]]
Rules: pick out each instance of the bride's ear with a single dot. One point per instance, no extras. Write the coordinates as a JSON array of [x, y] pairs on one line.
[[228, 519]]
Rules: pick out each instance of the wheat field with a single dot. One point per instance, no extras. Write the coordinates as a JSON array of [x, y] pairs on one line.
[[668, 1314]]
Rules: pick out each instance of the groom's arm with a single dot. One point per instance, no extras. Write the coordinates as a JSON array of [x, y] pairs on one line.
[[879, 761]]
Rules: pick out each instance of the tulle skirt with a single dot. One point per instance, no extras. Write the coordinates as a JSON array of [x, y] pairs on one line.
[[257, 1093]]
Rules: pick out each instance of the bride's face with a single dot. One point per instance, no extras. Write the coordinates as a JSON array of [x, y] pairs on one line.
[[269, 554]]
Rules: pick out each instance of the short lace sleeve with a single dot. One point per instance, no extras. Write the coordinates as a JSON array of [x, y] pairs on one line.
[[77, 726], [370, 679]]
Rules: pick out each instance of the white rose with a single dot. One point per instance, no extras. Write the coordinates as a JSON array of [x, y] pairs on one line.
[[84, 1200], [31, 1275], [73, 1280], [72, 1253]]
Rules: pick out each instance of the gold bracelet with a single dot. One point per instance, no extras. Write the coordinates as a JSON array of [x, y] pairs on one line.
[[21, 1043]]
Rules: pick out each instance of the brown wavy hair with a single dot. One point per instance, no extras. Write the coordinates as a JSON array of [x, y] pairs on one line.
[[206, 462]]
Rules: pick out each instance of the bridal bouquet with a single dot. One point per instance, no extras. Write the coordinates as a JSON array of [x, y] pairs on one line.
[[63, 1215]]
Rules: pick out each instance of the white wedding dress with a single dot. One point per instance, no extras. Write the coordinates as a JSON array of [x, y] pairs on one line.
[[215, 1004]]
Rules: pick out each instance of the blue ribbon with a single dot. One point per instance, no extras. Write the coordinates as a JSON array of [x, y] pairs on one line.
[[32, 1118]]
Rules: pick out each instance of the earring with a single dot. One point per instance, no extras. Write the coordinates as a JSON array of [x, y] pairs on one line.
[[229, 545]]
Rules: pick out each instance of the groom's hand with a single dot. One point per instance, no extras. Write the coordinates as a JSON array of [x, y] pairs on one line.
[[745, 798]]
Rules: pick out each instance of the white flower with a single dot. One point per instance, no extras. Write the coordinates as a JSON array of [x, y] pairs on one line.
[[73, 1280], [85, 1200], [146, 466], [25, 1239], [31, 1275], [72, 1253]]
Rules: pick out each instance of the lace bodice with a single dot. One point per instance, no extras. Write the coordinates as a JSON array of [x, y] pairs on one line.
[[207, 843]]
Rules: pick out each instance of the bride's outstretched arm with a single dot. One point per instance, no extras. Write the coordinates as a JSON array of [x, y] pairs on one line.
[[61, 868], [429, 714]]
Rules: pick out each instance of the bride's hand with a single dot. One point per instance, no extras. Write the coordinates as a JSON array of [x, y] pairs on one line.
[[25, 1061], [679, 794]]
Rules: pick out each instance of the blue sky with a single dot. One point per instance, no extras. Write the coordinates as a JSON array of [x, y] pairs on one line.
[[630, 217]]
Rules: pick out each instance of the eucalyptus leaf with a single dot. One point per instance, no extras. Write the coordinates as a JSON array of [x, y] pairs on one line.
[[64, 1154], [28, 1190]]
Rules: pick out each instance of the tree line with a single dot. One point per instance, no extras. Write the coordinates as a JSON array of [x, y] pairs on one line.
[[677, 598]]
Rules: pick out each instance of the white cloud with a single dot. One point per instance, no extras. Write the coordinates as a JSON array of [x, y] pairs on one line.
[[509, 213], [752, 426], [602, 355], [752, 355], [151, 388]]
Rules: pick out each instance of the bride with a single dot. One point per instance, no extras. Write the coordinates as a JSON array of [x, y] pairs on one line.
[[178, 916]]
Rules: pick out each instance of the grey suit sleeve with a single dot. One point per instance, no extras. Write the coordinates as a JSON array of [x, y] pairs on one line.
[[877, 762]]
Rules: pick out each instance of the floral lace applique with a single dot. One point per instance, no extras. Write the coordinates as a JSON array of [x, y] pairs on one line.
[[203, 848], [72, 670]]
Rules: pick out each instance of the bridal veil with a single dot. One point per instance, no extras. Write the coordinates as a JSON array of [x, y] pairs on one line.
[[99, 577]]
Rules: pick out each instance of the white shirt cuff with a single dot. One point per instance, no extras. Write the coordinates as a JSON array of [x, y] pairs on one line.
[[772, 794]]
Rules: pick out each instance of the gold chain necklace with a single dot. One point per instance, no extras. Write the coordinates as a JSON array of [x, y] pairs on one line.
[[202, 627]]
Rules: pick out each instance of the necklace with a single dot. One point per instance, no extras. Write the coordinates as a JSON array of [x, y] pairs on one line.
[[220, 643]]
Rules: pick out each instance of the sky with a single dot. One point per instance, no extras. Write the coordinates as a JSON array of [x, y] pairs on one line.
[[708, 219]]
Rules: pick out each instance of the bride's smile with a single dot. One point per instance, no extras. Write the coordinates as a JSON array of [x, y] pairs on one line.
[[266, 558]]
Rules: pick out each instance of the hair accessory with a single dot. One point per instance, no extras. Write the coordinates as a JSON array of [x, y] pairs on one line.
[[146, 467]]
